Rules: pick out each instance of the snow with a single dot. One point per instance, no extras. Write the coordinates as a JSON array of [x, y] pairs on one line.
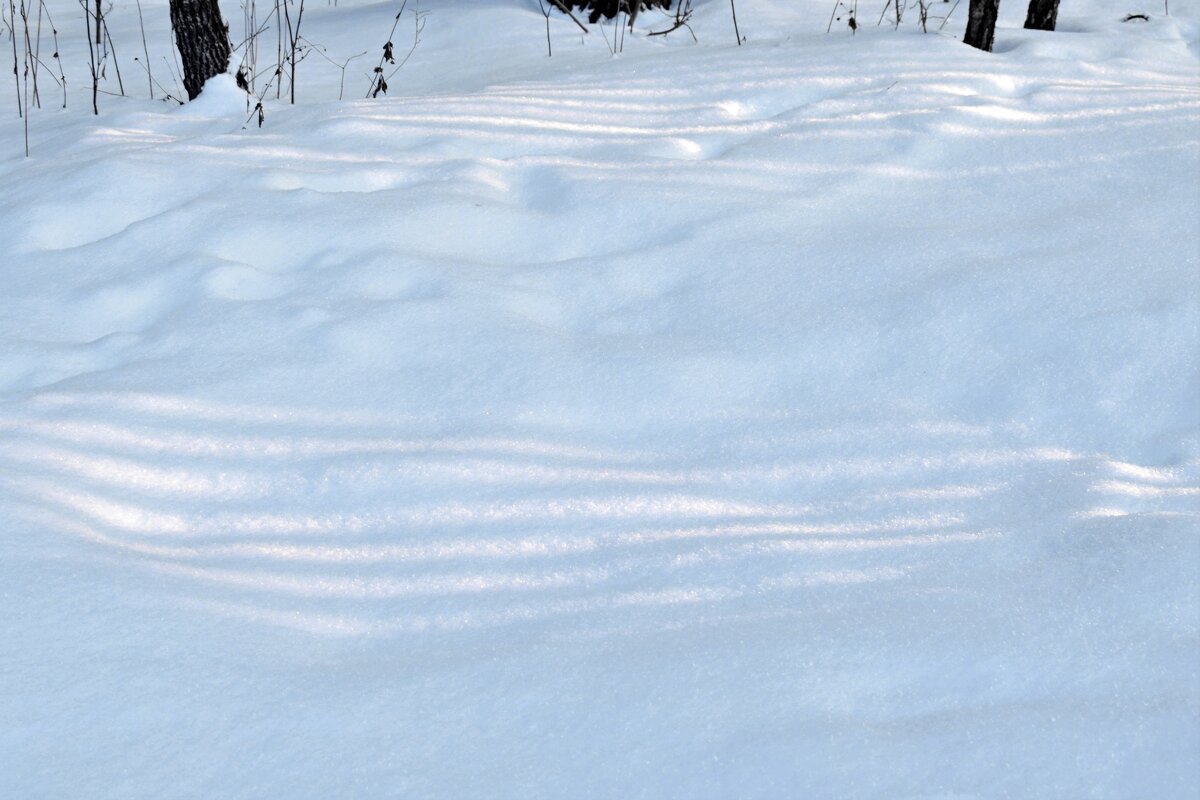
[[220, 98], [818, 417]]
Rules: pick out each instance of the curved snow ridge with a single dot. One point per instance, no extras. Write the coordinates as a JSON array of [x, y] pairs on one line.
[[567, 224], [155, 439], [468, 599], [367, 541]]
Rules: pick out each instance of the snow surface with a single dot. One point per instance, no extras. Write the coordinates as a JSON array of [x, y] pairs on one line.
[[813, 418]]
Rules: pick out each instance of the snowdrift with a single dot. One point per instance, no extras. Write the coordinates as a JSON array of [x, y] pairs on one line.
[[816, 417]]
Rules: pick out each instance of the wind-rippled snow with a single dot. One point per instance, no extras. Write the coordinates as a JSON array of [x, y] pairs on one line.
[[814, 418]]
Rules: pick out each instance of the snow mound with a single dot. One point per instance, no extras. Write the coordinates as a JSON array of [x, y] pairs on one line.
[[221, 97], [817, 417]]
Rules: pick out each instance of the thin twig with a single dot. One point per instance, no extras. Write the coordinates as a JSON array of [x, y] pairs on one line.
[[145, 49], [559, 5], [12, 19], [92, 55], [28, 53], [62, 75], [679, 23], [378, 84], [946, 18], [546, 13], [35, 56], [319, 50], [116, 61], [418, 29]]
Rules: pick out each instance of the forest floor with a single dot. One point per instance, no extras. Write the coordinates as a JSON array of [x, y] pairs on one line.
[[816, 417]]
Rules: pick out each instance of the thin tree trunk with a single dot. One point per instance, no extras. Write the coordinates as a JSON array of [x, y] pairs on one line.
[[203, 41], [1042, 15], [981, 24]]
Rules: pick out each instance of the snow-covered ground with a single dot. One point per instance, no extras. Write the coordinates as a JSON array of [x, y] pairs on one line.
[[813, 418]]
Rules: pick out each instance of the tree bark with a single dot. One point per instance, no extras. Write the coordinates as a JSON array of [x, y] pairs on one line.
[[1042, 15], [203, 41], [981, 24]]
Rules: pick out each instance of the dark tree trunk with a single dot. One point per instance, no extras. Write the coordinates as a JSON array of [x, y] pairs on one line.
[[981, 24], [203, 41], [1042, 15]]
